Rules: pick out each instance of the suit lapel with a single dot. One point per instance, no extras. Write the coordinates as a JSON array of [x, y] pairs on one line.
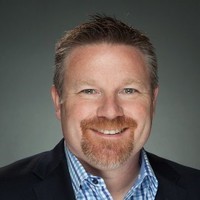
[[168, 190], [56, 186], [168, 179], [55, 181]]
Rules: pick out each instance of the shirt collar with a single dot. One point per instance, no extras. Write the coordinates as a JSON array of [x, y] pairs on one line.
[[78, 173], [146, 176], [145, 168], [76, 170]]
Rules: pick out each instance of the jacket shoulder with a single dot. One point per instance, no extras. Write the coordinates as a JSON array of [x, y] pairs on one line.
[[18, 177], [22, 176], [174, 173], [161, 164], [20, 168]]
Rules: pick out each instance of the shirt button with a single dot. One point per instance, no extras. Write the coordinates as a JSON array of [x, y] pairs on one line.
[[95, 181]]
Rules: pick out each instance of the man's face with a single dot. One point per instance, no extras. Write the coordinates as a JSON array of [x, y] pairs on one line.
[[107, 105]]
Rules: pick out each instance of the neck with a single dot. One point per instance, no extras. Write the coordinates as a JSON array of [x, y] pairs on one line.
[[118, 181]]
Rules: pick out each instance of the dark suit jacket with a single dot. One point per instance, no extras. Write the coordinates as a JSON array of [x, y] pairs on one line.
[[45, 177]]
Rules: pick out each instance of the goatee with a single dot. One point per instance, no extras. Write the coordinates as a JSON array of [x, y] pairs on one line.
[[108, 152]]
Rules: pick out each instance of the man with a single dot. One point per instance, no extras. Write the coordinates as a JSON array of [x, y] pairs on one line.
[[105, 91]]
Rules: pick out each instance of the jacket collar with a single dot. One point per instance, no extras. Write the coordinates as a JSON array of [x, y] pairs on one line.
[[168, 179], [53, 172], [55, 182]]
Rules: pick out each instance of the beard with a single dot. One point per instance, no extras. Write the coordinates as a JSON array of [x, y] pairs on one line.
[[107, 152]]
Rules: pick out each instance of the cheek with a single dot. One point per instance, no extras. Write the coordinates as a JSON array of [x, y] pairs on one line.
[[144, 127], [80, 110], [75, 112], [139, 110], [72, 115], [141, 113]]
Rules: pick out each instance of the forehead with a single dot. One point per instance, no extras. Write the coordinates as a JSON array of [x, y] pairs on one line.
[[105, 62], [103, 49]]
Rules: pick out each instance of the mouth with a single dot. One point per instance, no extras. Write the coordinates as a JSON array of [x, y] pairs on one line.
[[110, 132]]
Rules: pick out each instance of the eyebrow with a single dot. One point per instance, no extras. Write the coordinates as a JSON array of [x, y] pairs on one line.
[[132, 81], [139, 83], [91, 82]]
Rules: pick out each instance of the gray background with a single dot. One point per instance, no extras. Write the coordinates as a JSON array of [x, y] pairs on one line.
[[28, 32]]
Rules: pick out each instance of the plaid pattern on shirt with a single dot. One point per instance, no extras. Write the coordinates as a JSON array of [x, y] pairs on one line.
[[89, 187]]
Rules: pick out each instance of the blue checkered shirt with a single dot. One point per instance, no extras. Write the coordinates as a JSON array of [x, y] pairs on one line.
[[89, 187]]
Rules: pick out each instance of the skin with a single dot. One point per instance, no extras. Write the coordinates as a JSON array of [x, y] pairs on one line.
[[106, 80]]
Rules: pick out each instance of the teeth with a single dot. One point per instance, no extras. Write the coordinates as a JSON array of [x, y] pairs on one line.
[[110, 132]]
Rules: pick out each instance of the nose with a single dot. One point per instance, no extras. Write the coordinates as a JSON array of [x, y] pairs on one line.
[[110, 108]]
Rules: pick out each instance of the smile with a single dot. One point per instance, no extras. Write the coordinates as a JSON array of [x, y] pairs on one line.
[[111, 132]]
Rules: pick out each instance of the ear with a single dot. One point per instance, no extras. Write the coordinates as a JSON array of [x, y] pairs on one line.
[[155, 96], [56, 101]]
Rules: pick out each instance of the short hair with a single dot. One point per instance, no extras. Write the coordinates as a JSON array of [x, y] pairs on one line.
[[103, 29]]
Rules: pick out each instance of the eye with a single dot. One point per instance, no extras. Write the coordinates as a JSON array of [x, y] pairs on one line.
[[89, 91], [128, 91]]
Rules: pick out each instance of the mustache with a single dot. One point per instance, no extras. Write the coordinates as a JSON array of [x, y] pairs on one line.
[[102, 123]]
